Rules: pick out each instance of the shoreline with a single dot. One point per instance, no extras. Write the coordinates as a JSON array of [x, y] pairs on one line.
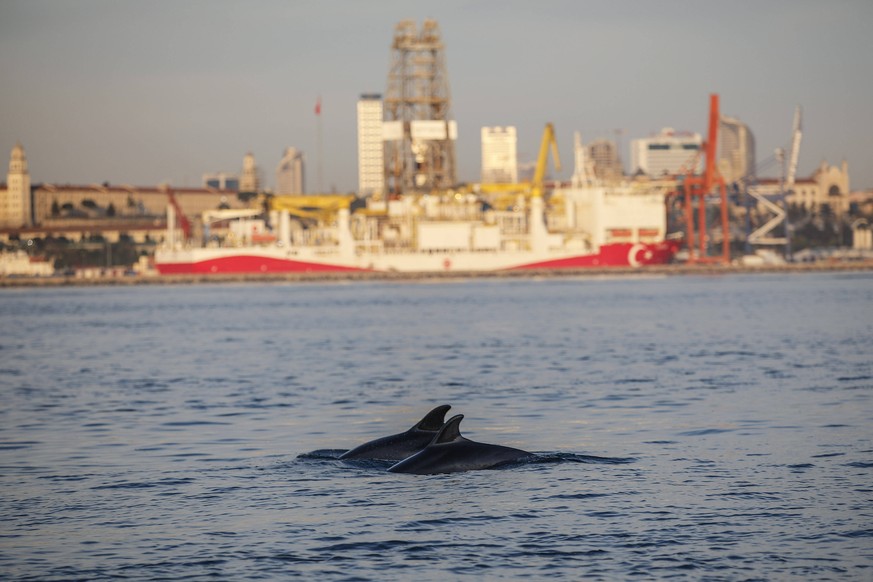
[[346, 276]]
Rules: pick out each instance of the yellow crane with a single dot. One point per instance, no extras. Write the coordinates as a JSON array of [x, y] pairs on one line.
[[547, 142], [506, 195], [317, 206]]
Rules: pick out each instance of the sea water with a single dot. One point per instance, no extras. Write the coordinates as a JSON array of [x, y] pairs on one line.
[[716, 428]]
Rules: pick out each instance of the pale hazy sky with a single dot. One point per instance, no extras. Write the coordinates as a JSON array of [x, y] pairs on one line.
[[142, 92]]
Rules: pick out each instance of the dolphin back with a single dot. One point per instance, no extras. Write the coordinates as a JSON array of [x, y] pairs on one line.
[[433, 421], [450, 452], [450, 431], [399, 446]]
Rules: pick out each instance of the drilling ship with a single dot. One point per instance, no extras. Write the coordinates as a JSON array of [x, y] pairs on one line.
[[621, 225]]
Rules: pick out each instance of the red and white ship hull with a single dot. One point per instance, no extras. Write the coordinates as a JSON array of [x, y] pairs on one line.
[[283, 260]]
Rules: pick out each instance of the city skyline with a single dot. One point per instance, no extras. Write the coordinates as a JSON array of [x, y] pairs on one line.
[[145, 93]]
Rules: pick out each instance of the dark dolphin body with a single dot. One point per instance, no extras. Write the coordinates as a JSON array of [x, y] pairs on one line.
[[400, 446], [449, 452]]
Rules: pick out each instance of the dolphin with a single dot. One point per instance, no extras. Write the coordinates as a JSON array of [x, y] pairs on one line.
[[399, 446], [449, 452]]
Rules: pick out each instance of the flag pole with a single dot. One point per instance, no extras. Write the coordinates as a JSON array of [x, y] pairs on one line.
[[319, 144]]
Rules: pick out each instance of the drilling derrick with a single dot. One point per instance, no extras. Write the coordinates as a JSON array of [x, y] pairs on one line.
[[418, 132]]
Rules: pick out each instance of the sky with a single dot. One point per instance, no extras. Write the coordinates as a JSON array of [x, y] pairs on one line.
[[145, 92]]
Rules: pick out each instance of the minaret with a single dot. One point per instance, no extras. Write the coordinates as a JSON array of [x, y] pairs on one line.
[[249, 181], [15, 206], [581, 172]]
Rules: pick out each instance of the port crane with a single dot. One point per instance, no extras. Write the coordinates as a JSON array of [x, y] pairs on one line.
[[174, 213], [776, 204], [696, 189], [315, 206], [548, 142], [502, 195]]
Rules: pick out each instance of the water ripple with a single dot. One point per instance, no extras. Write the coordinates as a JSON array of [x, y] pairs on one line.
[[698, 429]]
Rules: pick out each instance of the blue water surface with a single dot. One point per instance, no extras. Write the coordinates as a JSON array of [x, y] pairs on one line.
[[716, 428]]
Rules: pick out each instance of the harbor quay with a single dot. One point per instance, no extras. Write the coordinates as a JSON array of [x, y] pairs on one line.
[[119, 278]]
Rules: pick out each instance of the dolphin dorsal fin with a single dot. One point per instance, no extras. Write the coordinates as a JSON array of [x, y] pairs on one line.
[[451, 431], [434, 419]]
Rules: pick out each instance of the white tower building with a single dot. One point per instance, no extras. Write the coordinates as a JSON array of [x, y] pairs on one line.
[[499, 155], [250, 180], [289, 173], [371, 154], [583, 172], [15, 203], [668, 153]]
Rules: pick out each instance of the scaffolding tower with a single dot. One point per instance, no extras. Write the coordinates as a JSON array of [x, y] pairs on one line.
[[418, 131]]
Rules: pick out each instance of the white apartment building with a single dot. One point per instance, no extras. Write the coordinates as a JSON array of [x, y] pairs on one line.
[[499, 155], [669, 153], [289, 173], [371, 156]]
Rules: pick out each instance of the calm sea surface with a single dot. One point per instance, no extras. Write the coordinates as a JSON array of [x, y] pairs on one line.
[[701, 428]]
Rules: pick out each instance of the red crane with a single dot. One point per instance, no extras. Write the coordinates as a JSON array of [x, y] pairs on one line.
[[180, 216], [697, 188]]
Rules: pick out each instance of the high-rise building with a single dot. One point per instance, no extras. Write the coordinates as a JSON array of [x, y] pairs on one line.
[[603, 154], [15, 201], [736, 150], [668, 153], [499, 155], [250, 180], [289, 173], [418, 130], [371, 156], [595, 162]]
